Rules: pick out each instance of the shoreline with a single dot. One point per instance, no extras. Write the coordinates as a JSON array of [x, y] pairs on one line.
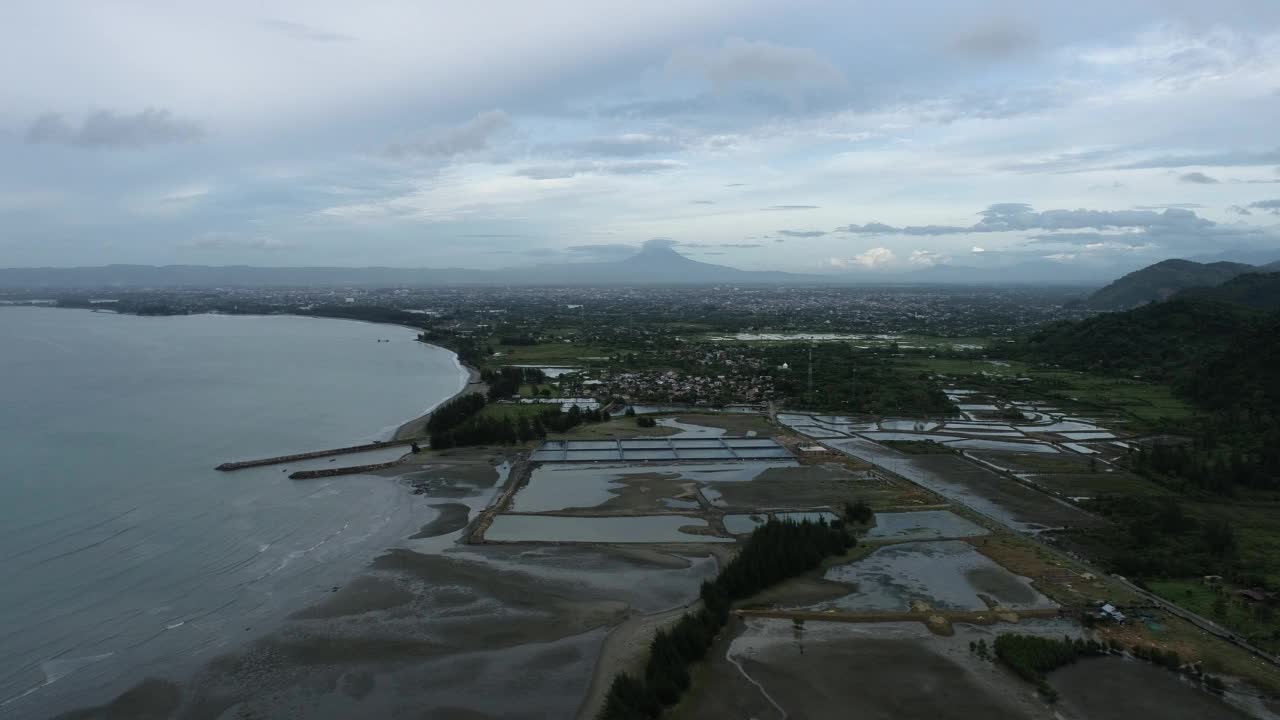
[[413, 428], [75, 692], [416, 427]]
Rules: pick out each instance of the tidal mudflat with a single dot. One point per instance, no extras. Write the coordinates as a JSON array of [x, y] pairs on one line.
[[627, 529], [774, 669], [944, 575], [923, 525]]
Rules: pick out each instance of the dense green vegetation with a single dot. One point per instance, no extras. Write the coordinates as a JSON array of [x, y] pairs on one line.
[[1161, 280], [1224, 359], [454, 412], [506, 381], [1033, 657], [461, 422], [514, 428], [470, 352], [1220, 467], [1153, 341], [1256, 621], [1157, 537], [1260, 291], [774, 552], [850, 380]]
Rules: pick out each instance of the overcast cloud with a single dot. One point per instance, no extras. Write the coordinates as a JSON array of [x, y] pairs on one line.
[[812, 136]]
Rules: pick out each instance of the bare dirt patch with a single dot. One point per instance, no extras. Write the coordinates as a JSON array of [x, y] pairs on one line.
[[883, 672]]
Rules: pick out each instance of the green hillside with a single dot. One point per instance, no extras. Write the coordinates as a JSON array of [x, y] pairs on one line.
[[1161, 281], [1255, 290]]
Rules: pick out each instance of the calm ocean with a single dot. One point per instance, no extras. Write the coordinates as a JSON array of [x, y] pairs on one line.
[[123, 553]]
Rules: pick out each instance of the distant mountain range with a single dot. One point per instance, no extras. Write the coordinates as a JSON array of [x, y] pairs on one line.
[[650, 266], [653, 265], [1167, 278]]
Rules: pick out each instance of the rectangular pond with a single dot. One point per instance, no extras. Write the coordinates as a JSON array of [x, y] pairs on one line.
[[704, 454], [750, 442], [651, 455], [1005, 445], [908, 436], [761, 453], [1088, 435], [635, 529], [915, 425], [591, 455], [799, 517]]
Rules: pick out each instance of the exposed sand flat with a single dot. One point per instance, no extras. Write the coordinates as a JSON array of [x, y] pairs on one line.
[[626, 649], [892, 671]]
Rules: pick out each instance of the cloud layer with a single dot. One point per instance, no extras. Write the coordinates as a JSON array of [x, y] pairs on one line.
[[108, 129], [843, 138]]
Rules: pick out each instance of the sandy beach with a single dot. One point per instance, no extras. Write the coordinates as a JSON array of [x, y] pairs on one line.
[[417, 427]]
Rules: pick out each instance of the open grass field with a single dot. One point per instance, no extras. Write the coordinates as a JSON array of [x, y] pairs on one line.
[[1257, 622], [530, 390], [619, 428], [1133, 400], [1095, 484], [1144, 401], [1217, 655], [1254, 519], [513, 411]]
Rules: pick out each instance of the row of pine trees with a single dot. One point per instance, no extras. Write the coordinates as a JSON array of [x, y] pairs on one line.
[[459, 423], [774, 552]]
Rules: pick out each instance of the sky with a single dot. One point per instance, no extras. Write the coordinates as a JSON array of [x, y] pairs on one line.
[[819, 137]]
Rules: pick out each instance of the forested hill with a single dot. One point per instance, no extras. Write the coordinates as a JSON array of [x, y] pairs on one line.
[[1246, 376], [1223, 358], [1256, 290], [1168, 341], [1164, 341], [1161, 281]]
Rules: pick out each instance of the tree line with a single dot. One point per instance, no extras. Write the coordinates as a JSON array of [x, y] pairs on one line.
[[459, 423], [506, 381], [774, 552], [1219, 357], [1033, 657]]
